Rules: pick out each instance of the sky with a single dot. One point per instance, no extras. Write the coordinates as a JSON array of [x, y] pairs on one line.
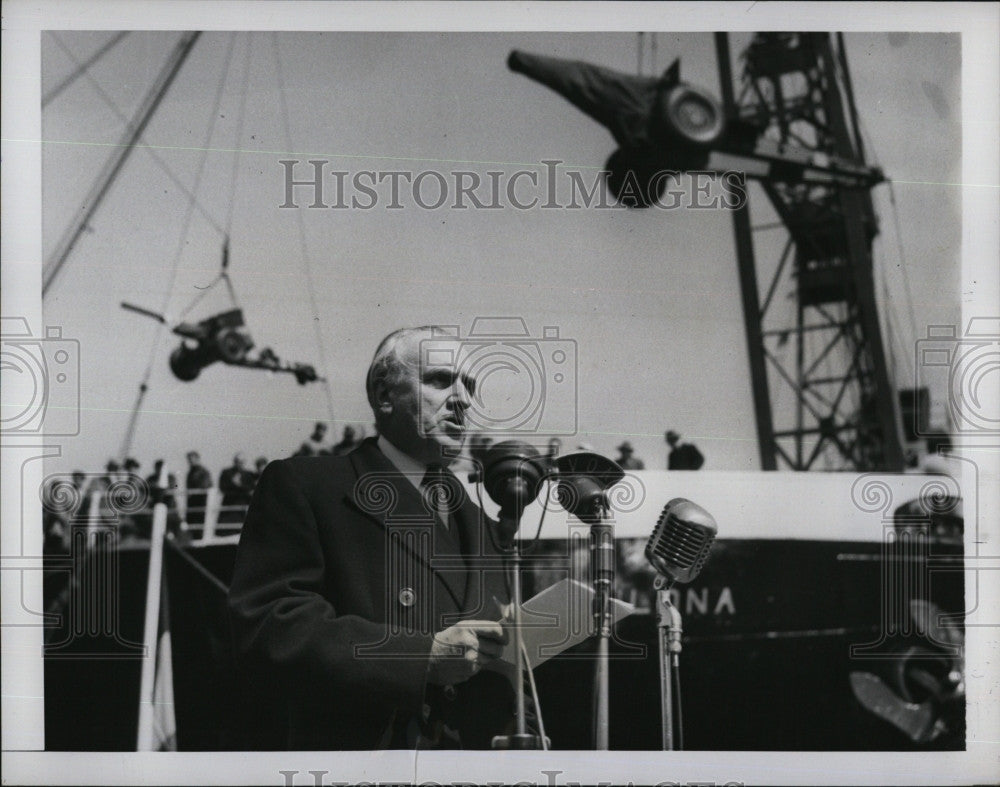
[[648, 300]]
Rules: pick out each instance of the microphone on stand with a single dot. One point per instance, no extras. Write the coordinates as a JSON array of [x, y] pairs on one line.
[[513, 474], [677, 549], [584, 479], [681, 541]]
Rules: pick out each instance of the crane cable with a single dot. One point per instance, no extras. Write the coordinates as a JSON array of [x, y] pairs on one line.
[[240, 119], [900, 250], [234, 176], [223, 276], [175, 265], [302, 236], [640, 53], [83, 68], [865, 140], [120, 155]]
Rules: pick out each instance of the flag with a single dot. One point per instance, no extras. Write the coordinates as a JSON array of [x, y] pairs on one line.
[[164, 720]]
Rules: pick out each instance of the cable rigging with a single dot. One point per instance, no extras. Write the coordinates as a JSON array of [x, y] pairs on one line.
[[80, 69], [114, 165], [103, 95], [314, 307], [189, 209], [221, 337]]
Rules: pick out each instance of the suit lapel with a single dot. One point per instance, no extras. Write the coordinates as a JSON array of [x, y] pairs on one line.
[[485, 577], [388, 498]]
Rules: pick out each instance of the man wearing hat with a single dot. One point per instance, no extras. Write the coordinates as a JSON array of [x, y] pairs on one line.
[[626, 459], [683, 456]]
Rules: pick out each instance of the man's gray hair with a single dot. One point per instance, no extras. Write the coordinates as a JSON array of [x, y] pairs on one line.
[[386, 365]]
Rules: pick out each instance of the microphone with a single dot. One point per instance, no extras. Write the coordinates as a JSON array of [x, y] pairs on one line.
[[513, 473], [584, 478], [681, 540]]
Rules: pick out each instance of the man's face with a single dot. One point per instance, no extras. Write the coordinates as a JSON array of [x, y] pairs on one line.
[[429, 402]]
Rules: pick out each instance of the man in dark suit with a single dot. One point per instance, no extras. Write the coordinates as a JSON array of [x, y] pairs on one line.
[[367, 587], [683, 456], [236, 484], [198, 478]]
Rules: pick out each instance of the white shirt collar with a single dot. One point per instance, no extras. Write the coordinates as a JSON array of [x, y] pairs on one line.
[[404, 463], [409, 467]]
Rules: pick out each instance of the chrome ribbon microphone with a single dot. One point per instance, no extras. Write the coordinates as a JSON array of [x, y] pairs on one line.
[[681, 541]]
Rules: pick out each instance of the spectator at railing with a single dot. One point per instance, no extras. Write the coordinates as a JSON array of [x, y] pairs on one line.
[[112, 473], [626, 458], [160, 487], [348, 442], [317, 442], [236, 484], [198, 478], [161, 490], [683, 456], [103, 487], [55, 521], [81, 486]]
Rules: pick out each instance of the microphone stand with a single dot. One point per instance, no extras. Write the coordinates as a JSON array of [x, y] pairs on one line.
[[521, 739], [668, 621], [602, 548]]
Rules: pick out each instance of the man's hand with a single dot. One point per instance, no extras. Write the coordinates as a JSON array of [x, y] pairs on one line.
[[461, 650]]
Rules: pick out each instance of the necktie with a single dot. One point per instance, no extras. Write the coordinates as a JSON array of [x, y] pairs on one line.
[[442, 492]]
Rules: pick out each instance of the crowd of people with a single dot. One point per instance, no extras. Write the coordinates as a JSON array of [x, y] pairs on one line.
[[318, 444], [682, 456], [126, 486], [237, 481]]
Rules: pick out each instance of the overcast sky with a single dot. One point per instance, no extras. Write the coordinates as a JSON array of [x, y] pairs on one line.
[[651, 298]]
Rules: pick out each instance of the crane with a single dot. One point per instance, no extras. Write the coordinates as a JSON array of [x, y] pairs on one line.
[[793, 128]]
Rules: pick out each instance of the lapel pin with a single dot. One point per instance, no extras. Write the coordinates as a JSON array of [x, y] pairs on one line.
[[407, 597]]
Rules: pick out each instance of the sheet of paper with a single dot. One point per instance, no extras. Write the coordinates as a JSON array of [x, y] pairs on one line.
[[558, 618]]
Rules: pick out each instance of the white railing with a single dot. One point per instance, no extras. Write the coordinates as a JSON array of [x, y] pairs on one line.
[[210, 521]]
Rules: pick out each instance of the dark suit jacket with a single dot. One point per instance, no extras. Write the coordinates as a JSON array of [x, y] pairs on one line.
[[685, 457], [341, 580]]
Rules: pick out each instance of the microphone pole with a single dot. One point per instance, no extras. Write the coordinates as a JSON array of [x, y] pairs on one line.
[[512, 557], [512, 475], [668, 622], [584, 479], [602, 561]]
